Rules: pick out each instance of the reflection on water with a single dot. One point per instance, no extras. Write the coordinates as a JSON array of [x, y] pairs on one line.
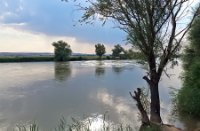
[[99, 69], [62, 70], [100, 122], [117, 69], [120, 67], [28, 92]]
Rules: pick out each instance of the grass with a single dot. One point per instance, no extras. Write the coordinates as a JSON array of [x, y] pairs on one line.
[[151, 127], [78, 125]]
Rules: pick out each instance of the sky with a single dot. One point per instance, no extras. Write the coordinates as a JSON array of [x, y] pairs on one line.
[[33, 25]]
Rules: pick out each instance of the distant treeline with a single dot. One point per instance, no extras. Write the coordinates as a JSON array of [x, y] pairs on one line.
[[46, 58], [7, 59], [26, 59]]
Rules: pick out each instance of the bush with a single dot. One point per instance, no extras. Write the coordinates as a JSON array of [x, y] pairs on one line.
[[108, 57], [189, 95], [189, 101]]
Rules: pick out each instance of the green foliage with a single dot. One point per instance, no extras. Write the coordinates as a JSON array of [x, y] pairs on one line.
[[189, 55], [189, 95], [116, 52], [120, 53], [194, 36], [193, 50], [193, 75], [49, 58], [62, 50], [189, 101], [151, 127], [100, 50], [130, 54]]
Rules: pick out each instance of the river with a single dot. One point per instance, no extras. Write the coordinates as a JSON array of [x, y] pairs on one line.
[[46, 91]]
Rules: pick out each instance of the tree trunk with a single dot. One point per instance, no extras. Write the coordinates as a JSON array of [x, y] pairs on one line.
[[155, 103]]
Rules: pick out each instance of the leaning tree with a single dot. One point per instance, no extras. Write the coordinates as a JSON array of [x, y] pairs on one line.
[[155, 27]]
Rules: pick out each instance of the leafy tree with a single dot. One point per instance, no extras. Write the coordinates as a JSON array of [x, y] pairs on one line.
[[100, 50], [117, 50], [131, 54], [189, 95], [192, 50], [152, 27], [62, 50]]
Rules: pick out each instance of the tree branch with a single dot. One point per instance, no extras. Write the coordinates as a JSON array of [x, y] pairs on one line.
[[137, 98]]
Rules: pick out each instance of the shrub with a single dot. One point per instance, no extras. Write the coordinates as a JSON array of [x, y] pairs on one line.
[[189, 95]]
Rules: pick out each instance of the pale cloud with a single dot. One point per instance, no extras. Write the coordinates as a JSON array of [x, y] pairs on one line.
[[13, 39], [81, 47], [6, 14]]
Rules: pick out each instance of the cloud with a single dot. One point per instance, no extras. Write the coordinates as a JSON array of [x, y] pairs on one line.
[[56, 18], [123, 107], [15, 40]]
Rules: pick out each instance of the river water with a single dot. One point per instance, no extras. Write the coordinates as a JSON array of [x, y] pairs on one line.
[[46, 91]]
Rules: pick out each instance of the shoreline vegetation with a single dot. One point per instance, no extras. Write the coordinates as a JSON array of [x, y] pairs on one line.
[[89, 125], [10, 59], [189, 95]]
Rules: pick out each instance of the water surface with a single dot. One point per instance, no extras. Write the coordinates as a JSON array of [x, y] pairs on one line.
[[46, 91]]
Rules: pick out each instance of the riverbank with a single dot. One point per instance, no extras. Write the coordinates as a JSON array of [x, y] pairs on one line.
[[48, 58]]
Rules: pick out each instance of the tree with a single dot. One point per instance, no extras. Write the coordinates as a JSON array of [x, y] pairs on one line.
[[62, 50], [131, 54], [191, 52], [117, 50], [153, 27], [100, 50], [189, 95]]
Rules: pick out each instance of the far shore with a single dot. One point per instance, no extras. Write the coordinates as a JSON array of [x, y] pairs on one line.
[[9, 59]]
